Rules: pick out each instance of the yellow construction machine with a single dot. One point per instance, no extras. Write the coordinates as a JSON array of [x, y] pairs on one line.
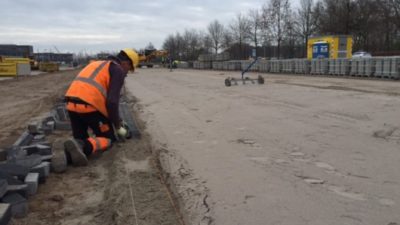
[[150, 57]]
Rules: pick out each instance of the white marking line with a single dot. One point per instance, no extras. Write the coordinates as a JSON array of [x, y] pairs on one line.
[[130, 190]]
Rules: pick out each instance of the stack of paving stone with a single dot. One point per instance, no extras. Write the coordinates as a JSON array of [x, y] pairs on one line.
[[222, 56], [247, 63], [302, 66], [276, 66], [203, 65], [28, 162], [30, 159], [288, 65], [217, 65], [204, 61], [183, 65], [234, 65], [264, 66], [376, 67]]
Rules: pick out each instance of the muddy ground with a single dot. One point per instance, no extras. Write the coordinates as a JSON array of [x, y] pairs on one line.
[[120, 186]]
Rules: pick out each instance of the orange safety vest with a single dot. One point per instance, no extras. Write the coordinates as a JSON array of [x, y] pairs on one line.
[[91, 85]]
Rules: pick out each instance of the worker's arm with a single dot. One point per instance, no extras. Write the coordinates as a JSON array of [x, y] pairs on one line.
[[117, 77]]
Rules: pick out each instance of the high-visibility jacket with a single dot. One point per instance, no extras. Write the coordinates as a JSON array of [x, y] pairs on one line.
[[91, 85]]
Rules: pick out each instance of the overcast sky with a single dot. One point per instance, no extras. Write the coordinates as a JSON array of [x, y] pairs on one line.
[[103, 25]]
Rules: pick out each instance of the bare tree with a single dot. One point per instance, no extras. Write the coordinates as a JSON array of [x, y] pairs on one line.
[[175, 45], [265, 35], [188, 37], [277, 12], [387, 26], [216, 32], [395, 4], [169, 44], [338, 16], [240, 28], [290, 39], [194, 44], [255, 26], [366, 24], [305, 22], [207, 42], [227, 39], [374, 25]]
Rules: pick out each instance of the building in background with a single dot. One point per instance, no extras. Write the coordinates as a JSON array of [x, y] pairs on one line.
[[20, 51], [63, 58], [330, 46]]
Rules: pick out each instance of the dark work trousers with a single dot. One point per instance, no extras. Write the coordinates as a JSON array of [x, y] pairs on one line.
[[81, 122]]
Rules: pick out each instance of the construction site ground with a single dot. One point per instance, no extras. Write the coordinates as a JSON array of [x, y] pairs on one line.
[[296, 150], [100, 193]]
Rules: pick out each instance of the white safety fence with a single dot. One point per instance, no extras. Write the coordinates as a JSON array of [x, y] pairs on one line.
[[374, 67]]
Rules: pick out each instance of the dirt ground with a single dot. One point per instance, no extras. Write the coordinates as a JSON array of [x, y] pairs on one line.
[[120, 186], [297, 150]]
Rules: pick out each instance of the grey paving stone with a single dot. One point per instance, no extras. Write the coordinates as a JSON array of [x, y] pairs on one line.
[[39, 137], [33, 127], [44, 149], [19, 204], [62, 125], [30, 149], [39, 148], [21, 189], [3, 154], [32, 180], [24, 139], [13, 169], [15, 152], [48, 118], [43, 169], [5, 213], [127, 116], [29, 161], [46, 143], [3, 187], [61, 113], [46, 130], [11, 180], [47, 158], [51, 124]]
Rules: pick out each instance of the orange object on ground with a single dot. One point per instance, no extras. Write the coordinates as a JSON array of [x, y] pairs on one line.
[[99, 143]]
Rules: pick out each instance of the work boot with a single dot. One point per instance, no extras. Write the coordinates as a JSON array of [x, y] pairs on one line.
[[74, 149], [59, 161]]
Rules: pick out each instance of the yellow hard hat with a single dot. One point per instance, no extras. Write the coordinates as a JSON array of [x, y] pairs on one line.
[[133, 56]]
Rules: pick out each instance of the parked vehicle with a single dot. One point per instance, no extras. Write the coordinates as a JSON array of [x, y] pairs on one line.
[[361, 54]]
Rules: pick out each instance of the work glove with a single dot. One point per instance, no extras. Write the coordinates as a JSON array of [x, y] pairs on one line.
[[122, 132]]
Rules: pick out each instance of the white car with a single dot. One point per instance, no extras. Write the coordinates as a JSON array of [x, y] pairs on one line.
[[361, 54]]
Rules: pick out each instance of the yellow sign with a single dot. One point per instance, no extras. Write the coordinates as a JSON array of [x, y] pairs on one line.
[[8, 69]]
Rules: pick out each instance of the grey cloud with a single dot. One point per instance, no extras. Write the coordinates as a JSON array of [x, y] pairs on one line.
[[96, 25]]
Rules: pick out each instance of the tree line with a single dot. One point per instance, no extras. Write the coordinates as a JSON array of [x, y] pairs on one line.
[[278, 30]]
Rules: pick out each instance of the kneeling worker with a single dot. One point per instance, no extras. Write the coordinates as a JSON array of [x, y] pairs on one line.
[[93, 102]]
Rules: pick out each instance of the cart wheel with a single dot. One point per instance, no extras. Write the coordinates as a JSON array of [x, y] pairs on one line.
[[228, 82], [260, 79]]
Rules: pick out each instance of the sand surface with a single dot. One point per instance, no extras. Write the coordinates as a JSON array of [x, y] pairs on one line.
[[297, 150], [100, 193]]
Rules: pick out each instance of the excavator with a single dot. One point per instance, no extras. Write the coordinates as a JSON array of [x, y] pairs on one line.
[[149, 57]]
